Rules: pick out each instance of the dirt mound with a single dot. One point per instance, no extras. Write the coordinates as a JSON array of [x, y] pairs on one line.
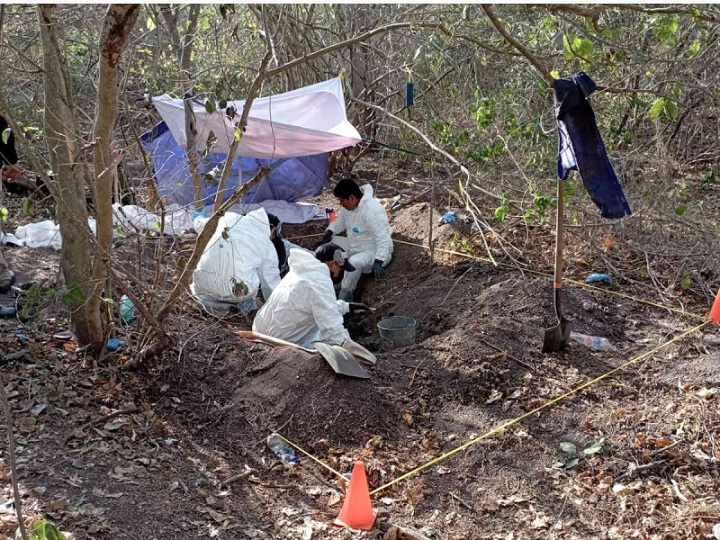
[[300, 391]]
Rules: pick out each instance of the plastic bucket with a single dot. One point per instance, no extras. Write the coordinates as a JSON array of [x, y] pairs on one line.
[[397, 332]]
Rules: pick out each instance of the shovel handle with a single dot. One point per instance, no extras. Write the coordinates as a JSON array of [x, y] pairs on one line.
[[257, 336], [557, 284]]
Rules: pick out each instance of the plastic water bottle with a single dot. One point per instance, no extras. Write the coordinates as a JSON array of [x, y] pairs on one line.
[[281, 449], [594, 343], [127, 309]]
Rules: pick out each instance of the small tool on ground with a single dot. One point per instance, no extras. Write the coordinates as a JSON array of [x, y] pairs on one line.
[[556, 337]]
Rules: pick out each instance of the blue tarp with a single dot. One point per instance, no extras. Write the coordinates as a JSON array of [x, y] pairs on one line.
[[293, 180]]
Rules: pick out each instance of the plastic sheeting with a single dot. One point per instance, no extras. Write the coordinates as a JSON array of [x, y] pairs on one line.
[[302, 126], [290, 181], [304, 122]]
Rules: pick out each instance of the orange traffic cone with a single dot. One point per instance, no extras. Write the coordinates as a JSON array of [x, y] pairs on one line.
[[357, 512], [715, 311]]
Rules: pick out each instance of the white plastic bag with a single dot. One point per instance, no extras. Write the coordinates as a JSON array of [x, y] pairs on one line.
[[42, 234]]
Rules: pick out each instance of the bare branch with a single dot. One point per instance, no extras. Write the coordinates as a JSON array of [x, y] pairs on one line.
[[541, 69]]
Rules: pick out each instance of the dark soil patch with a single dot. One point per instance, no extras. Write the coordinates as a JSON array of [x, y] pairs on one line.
[[207, 407]]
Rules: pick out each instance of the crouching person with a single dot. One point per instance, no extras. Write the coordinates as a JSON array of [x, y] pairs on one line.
[[369, 236], [239, 260], [303, 308]]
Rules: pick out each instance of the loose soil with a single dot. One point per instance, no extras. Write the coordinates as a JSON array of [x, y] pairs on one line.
[[192, 462]]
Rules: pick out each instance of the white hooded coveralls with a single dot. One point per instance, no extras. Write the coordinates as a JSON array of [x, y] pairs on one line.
[[240, 252], [303, 308], [369, 236]]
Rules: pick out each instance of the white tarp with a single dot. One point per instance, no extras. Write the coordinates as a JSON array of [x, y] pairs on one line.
[[304, 122]]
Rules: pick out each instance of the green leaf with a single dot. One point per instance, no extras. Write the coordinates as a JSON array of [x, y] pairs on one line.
[[222, 103], [685, 282], [570, 463], [693, 49], [665, 29], [680, 209], [28, 206], [574, 46], [238, 134], [569, 191], [593, 448], [671, 109], [6, 135], [210, 106], [73, 298], [568, 448], [555, 74], [4, 214], [657, 108], [150, 23], [500, 213]]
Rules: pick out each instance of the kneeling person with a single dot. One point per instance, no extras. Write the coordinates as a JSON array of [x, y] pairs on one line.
[[303, 308]]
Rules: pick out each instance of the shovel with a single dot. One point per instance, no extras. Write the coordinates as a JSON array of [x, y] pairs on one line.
[[360, 352], [264, 338], [339, 359], [556, 337]]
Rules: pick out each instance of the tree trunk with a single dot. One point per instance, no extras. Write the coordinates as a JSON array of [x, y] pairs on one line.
[[118, 23], [84, 294]]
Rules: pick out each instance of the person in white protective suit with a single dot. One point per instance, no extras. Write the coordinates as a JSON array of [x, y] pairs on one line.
[[239, 259], [303, 308], [369, 237]]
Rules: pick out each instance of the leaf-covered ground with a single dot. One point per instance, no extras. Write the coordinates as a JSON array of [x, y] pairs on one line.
[[176, 448]]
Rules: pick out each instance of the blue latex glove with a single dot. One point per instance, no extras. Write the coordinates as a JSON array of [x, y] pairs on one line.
[[448, 217], [378, 269]]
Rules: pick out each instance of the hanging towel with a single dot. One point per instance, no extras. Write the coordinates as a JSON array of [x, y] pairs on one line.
[[580, 146]]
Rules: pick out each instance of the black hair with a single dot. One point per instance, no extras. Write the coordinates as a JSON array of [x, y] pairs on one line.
[[347, 187]]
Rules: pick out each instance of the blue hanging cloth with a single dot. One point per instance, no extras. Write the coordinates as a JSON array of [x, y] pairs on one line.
[[409, 94], [580, 146]]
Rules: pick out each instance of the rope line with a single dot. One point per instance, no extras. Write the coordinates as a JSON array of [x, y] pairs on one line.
[[566, 280], [545, 405], [509, 423], [316, 460], [543, 274]]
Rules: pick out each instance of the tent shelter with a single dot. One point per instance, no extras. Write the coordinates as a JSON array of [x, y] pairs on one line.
[[302, 126]]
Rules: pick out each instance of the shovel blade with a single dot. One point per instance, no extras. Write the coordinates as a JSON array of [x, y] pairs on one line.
[[360, 352], [556, 337], [341, 361]]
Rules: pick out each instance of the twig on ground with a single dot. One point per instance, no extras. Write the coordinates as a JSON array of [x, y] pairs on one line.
[[236, 477], [506, 353], [454, 285], [637, 470], [458, 499], [128, 410], [412, 379]]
